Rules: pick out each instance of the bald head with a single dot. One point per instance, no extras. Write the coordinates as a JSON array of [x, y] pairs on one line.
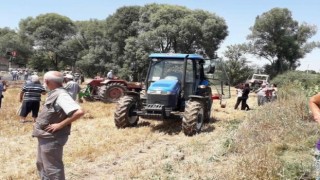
[[53, 79]]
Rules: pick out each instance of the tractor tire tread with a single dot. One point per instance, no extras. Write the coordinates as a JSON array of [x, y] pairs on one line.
[[121, 113], [190, 118]]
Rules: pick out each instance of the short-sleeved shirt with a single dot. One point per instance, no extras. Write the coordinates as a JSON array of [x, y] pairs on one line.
[[67, 104], [73, 89], [262, 92], [239, 92], [32, 91], [110, 75]]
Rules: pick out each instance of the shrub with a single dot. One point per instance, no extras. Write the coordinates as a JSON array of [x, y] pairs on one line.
[[297, 77]]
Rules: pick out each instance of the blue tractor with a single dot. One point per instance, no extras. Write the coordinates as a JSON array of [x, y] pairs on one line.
[[176, 87]]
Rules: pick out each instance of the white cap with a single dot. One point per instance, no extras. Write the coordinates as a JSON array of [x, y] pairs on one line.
[[34, 78], [68, 76]]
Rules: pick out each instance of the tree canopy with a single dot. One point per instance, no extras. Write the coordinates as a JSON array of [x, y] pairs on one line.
[[277, 37], [124, 40], [236, 64]]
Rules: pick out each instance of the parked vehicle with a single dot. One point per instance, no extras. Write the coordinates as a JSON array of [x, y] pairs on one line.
[[176, 87], [257, 80], [108, 90]]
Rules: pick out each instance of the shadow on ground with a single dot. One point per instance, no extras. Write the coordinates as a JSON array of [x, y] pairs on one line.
[[174, 127]]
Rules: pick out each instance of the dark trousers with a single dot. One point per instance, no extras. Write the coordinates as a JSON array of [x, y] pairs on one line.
[[239, 99], [30, 106], [49, 158], [244, 105]]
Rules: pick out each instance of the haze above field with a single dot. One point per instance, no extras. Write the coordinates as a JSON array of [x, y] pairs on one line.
[[239, 15]]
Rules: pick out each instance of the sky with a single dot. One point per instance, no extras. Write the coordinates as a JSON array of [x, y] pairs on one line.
[[238, 14]]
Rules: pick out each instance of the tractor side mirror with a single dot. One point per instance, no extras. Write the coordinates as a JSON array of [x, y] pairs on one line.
[[209, 67]]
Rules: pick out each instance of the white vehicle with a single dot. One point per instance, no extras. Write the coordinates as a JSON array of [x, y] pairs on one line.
[[257, 80]]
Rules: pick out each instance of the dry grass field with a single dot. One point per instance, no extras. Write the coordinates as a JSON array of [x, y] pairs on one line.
[[229, 147]]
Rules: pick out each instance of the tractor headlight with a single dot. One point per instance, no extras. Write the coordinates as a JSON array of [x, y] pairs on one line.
[[154, 92], [168, 93]]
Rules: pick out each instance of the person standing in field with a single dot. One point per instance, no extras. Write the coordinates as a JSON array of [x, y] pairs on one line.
[[245, 96], [261, 93], [30, 96], [239, 90], [53, 125], [3, 88], [274, 95], [72, 87], [314, 104]]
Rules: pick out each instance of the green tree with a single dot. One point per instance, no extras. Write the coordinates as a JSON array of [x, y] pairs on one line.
[[48, 32], [93, 50], [277, 37], [236, 64], [11, 41], [167, 28]]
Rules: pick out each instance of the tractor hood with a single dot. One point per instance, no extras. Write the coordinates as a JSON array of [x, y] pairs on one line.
[[164, 86]]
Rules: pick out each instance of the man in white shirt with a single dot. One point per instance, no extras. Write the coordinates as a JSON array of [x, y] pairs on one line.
[[110, 74], [72, 87]]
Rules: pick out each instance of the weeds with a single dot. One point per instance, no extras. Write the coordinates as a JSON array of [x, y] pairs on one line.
[[267, 137]]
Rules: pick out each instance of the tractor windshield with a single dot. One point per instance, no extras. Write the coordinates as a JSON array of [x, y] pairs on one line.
[[169, 69], [260, 77]]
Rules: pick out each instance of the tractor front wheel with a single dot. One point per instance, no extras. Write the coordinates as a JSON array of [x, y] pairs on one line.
[[124, 115], [193, 118]]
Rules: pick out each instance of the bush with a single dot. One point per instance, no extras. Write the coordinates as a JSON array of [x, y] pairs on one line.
[[297, 77]]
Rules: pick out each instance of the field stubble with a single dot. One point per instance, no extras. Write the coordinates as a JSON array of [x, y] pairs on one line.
[[153, 150]]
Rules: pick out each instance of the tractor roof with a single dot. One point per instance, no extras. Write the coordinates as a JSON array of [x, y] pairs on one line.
[[175, 56]]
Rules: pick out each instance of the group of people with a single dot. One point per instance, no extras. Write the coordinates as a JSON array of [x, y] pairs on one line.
[[21, 74], [30, 95], [52, 125], [265, 94]]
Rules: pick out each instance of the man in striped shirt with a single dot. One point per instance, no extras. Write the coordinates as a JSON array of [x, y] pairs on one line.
[[30, 96]]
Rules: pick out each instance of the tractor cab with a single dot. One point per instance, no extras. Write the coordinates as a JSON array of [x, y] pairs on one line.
[[172, 78], [176, 88]]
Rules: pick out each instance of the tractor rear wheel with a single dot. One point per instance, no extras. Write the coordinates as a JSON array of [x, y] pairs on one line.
[[112, 92], [124, 115], [193, 118]]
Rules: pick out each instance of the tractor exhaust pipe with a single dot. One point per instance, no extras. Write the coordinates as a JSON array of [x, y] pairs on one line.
[[184, 75]]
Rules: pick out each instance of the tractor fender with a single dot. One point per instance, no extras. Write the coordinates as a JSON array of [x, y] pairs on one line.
[[107, 81], [195, 97], [132, 93]]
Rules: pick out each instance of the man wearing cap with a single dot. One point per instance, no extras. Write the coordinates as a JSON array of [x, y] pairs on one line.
[[72, 87], [53, 127], [30, 96]]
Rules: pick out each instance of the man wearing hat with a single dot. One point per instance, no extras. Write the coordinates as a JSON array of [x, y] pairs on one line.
[[30, 96], [72, 87]]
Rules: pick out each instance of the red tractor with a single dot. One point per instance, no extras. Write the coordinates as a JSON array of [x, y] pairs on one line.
[[108, 90]]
